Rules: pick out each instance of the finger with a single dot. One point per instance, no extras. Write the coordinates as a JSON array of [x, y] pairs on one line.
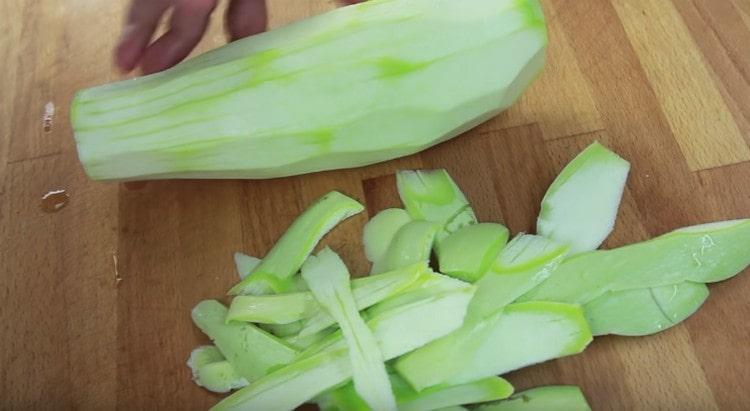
[[188, 23], [246, 17], [141, 22]]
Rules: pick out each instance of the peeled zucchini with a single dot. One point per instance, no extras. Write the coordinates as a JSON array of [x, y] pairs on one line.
[[355, 86]]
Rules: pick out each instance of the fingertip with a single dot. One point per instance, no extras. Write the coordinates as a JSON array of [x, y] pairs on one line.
[[170, 49], [163, 54], [127, 52], [188, 23], [142, 20], [150, 65], [245, 18]]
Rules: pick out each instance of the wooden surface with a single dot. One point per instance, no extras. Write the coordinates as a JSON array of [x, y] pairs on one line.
[[96, 297]]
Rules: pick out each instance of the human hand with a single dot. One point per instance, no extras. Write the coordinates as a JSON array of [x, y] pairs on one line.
[[188, 22]]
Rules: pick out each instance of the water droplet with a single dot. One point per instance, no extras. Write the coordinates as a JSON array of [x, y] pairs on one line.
[[116, 262], [135, 185], [48, 116], [54, 201]]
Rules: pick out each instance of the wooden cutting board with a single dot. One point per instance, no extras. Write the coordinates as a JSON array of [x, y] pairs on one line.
[[96, 296]]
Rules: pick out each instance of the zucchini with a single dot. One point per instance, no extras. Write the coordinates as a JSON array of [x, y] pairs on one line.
[[581, 205], [250, 350], [355, 86], [397, 331], [558, 398], [705, 253], [519, 336], [275, 271], [328, 279], [468, 252]]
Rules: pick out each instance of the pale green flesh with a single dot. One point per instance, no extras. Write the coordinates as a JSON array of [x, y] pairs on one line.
[[205, 354], [352, 87], [525, 263], [283, 330], [393, 311], [328, 280], [303, 343], [468, 252], [343, 399], [289, 253], [212, 371], [521, 335], [245, 264], [527, 251], [397, 331], [273, 309], [427, 285], [702, 254], [557, 398], [581, 205], [287, 308], [220, 377], [380, 230], [291, 386], [644, 311], [432, 195], [374, 289], [412, 244], [486, 389], [250, 350]]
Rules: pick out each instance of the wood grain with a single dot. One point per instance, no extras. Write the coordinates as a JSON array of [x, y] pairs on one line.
[[699, 117], [559, 111], [96, 297]]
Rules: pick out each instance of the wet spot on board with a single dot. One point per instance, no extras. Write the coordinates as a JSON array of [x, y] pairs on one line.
[[48, 117], [54, 201], [116, 262]]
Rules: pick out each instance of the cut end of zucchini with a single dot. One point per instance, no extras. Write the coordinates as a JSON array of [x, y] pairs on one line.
[[581, 205], [245, 264], [220, 377], [468, 252], [432, 195], [411, 244], [201, 356], [380, 230]]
